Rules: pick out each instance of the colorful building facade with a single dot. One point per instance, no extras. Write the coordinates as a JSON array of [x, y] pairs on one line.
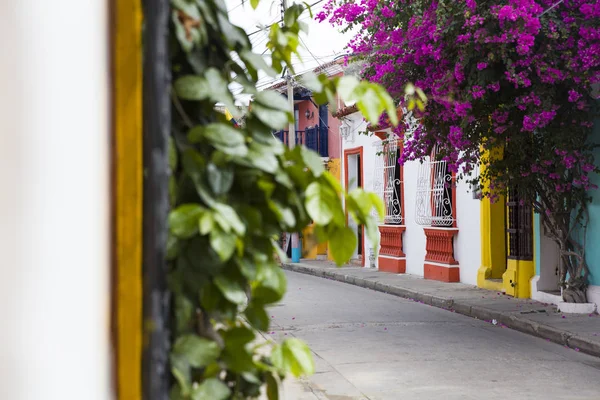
[[317, 129], [429, 229], [544, 285]]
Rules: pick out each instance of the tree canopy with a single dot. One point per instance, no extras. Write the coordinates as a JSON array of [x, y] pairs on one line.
[[508, 84]]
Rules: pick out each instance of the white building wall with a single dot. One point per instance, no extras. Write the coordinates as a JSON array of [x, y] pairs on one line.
[[467, 244], [356, 124], [414, 237], [55, 203]]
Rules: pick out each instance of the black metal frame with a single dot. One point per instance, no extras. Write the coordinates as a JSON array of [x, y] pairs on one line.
[[397, 195], [156, 376], [519, 228]]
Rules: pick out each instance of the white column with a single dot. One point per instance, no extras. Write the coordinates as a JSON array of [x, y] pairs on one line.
[[54, 200]]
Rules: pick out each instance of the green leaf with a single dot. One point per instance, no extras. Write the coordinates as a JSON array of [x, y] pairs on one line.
[[369, 105], [183, 221], [219, 179], [229, 215], [342, 243], [176, 393], [313, 161], [311, 81], [223, 243], [254, 3], [187, 7], [362, 200], [293, 356], [232, 34], [206, 223], [285, 215], [187, 42], [246, 267], [378, 203], [346, 86], [173, 247], [273, 100], [388, 104], [184, 312], [172, 154], [263, 159], [270, 284], [210, 296], [238, 336], [231, 290], [257, 317], [216, 133], [197, 351], [192, 87], [272, 387], [180, 368], [275, 119], [212, 389], [257, 61], [212, 370], [319, 203]]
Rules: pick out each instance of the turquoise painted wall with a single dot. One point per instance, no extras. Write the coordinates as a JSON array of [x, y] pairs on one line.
[[593, 233], [537, 252]]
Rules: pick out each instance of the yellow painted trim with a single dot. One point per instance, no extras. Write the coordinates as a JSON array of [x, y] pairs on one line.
[[516, 279], [334, 167], [309, 245], [128, 164], [493, 252], [487, 284]]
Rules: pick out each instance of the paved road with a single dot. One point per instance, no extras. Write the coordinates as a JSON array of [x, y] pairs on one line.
[[369, 345]]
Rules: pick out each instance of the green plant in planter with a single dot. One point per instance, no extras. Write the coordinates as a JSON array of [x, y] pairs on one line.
[[233, 190]]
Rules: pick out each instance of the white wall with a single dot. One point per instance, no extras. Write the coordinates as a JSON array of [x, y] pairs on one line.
[[467, 244], [357, 124], [414, 237], [54, 205], [549, 260]]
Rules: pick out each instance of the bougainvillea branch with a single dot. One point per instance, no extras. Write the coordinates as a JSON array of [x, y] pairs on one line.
[[515, 75]]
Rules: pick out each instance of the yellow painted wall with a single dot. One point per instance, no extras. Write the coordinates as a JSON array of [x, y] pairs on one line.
[[309, 245], [493, 237], [127, 180], [515, 280], [335, 168]]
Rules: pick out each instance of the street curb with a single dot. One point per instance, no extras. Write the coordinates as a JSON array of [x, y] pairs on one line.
[[515, 322]]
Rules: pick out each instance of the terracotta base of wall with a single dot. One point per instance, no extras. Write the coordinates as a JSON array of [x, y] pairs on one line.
[[442, 273], [393, 265]]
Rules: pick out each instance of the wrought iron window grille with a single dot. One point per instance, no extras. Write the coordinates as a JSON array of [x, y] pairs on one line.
[[519, 227], [435, 186], [386, 181]]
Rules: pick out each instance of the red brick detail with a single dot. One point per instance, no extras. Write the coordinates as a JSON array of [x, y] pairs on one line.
[[440, 245], [391, 240], [394, 265], [441, 273]]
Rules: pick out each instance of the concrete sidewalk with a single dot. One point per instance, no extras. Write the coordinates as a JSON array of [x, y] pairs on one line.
[[579, 332]]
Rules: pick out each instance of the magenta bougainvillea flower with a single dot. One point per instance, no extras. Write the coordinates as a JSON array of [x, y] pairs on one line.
[[515, 78], [520, 70]]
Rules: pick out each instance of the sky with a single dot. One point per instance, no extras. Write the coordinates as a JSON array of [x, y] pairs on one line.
[[324, 41]]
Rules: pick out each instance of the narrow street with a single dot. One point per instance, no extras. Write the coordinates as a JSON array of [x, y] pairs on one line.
[[370, 345]]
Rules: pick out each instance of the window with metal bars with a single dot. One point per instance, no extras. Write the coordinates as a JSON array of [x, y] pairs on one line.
[[435, 192], [396, 203], [442, 197], [387, 179], [519, 228]]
